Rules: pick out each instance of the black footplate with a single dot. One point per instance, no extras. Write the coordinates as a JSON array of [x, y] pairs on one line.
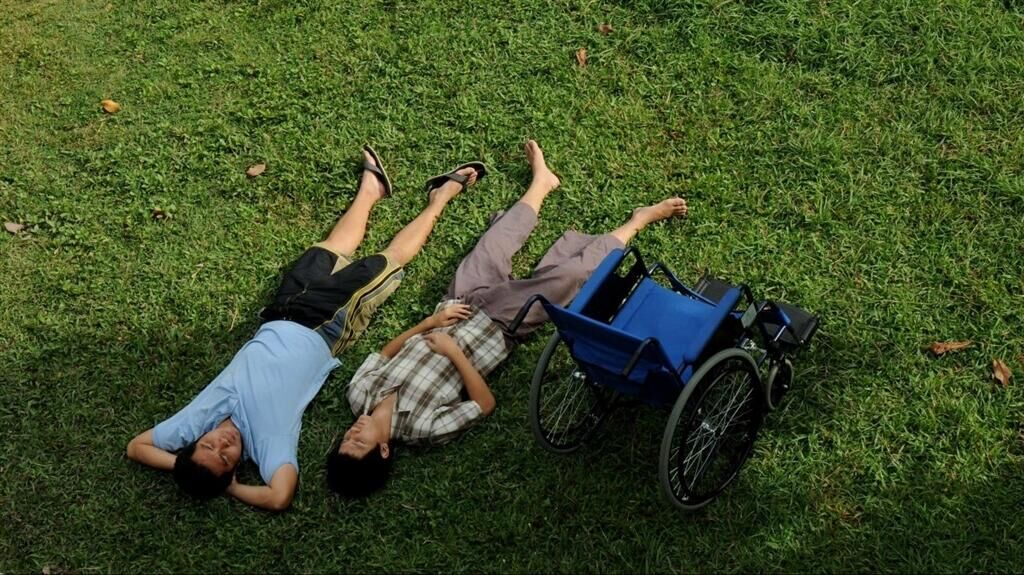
[[803, 325]]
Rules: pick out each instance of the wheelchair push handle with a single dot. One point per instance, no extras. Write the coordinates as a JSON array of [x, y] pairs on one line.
[[639, 353], [521, 315]]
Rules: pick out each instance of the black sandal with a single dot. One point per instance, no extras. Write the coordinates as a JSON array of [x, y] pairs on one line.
[[377, 170], [439, 180]]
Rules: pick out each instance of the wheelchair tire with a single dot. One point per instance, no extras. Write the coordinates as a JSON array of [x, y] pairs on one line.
[[777, 384], [707, 423], [565, 407]]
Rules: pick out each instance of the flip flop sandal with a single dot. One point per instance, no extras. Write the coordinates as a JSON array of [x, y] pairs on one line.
[[439, 180], [377, 170]]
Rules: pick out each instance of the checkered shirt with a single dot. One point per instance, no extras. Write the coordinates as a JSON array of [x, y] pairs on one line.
[[430, 408]]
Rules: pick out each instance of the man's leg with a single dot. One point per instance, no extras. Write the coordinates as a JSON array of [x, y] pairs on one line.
[[351, 227], [409, 241], [647, 215], [568, 264], [490, 261]]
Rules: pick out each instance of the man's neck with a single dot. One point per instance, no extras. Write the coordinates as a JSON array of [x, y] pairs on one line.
[[382, 413]]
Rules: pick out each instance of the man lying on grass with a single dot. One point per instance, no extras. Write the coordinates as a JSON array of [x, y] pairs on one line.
[[427, 386], [254, 407]]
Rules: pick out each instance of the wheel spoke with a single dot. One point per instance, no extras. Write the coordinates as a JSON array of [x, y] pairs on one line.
[[692, 456], [563, 406], [706, 460], [730, 413], [729, 405]]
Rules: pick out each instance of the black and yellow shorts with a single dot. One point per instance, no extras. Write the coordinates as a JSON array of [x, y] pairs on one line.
[[333, 295]]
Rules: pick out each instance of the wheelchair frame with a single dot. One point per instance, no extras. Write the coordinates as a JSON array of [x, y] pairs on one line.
[[732, 348]]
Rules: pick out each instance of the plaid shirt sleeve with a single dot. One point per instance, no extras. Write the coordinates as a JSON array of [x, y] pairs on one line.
[[359, 388], [450, 421]]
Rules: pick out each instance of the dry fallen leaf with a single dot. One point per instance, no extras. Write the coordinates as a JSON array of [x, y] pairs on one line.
[[255, 170], [605, 29], [944, 347], [1001, 373], [13, 227], [110, 106], [581, 57]]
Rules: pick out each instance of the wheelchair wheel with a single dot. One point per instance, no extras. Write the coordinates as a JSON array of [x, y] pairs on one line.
[[711, 430], [565, 406], [780, 378]]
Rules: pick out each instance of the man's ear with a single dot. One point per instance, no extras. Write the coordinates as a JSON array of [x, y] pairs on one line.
[[385, 451]]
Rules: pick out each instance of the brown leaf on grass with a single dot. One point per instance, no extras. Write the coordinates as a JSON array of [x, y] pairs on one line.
[[581, 57], [944, 347], [605, 29], [255, 170], [13, 227], [110, 106], [1001, 373]]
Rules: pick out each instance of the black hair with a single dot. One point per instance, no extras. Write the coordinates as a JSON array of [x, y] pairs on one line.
[[353, 477], [196, 479]]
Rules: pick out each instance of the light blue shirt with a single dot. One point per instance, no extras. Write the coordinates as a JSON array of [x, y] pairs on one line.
[[264, 391]]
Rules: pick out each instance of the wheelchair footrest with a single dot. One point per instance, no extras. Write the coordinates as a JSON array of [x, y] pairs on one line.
[[802, 323]]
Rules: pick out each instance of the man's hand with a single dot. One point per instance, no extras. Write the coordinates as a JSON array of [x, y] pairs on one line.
[[450, 315], [442, 343], [233, 487]]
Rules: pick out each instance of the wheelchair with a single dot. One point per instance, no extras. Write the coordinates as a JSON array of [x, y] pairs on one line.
[[627, 338]]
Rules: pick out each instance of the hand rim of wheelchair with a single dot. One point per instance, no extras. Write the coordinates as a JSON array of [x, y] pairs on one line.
[[775, 388], [587, 422], [673, 479]]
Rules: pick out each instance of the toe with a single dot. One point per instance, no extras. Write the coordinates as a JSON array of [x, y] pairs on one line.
[[470, 174], [368, 158]]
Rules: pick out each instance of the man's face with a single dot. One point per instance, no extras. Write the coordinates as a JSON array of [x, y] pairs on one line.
[[361, 439], [219, 450]]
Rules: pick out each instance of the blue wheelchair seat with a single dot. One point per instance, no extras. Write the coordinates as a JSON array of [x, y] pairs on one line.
[[683, 325]]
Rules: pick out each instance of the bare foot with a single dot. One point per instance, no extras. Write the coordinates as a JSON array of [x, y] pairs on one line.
[[451, 188], [542, 175], [370, 183], [672, 207]]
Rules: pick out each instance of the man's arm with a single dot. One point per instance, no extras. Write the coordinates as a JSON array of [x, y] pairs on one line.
[[443, 318], [274, 497], [142, 450], [391, 349], [474, 383]]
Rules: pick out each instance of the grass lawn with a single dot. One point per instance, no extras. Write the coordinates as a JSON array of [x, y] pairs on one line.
[[862, 159]]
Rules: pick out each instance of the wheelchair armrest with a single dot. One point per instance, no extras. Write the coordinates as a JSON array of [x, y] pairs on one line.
[[521, 315], [677, 285]]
